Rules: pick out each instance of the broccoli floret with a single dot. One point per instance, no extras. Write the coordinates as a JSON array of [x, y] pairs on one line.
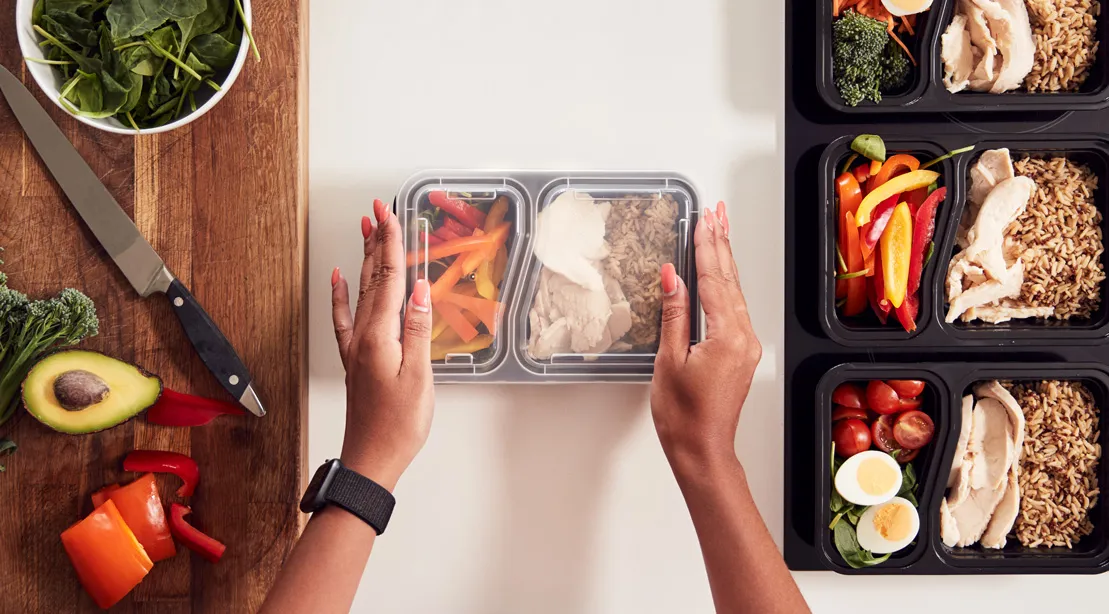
[[895, 66], [858, 47]]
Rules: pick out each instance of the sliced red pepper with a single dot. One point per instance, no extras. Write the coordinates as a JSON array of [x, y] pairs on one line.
[[879, 302], [457, 228], [908, 311], [916, 198], [872, 232], [100, 496], [444, 234], [157, 461], [924, 226], [861, 172], [179, 409], [856, 286], [191, 537], [141, 508], [463, 211], [875, 305], [841, 288], [429, 239]]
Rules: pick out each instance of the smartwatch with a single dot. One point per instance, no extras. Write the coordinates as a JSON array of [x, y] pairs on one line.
[[334, 484]]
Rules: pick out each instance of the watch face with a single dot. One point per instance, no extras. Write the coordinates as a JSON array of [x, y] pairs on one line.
[[312, 500]]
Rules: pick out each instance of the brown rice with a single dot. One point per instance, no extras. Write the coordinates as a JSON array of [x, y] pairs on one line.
[[641, 236], [1065, 35], [1058, 464], [1059, 238]]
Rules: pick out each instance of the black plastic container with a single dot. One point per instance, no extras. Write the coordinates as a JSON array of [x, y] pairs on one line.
[[947, 384], [926, 92]]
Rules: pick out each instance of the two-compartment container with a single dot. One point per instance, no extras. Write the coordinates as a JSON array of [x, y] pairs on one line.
[[948, 382], [650, 221], [924, 91]]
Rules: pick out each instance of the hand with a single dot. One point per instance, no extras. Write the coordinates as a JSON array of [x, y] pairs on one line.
[[697, 393], [390, 398]]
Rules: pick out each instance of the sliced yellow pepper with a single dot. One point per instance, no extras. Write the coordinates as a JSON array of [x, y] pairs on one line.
[[499, 266], [496, 213], [440, 351], [897, 249], [483, 279], [902, 183]]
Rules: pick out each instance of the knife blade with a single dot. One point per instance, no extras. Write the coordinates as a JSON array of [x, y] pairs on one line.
[[115, 231]]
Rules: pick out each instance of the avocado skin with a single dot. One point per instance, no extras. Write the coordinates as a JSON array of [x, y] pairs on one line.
[[132, 390]]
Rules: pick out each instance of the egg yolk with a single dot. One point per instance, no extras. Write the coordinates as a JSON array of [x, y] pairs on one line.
[[914, 6], [893, 522], [876, 477]]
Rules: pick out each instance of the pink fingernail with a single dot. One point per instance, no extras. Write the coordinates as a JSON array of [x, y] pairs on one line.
[[669, 280], [381, 212], [722, 213], [335, 277], [367, 227], [421, 296], [709, 221]]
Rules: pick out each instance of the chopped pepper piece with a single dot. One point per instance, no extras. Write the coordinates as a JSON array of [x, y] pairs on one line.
[[897, 244], [107, 557], [100, 496], [908, 311], [856, 287], [488, 311], [157, 461], [454, 246], [891, 167], [457, 228], [454, 318], [180, 409], [897, 185], [849, 193], [873, 231], [141, 508], [463, 211], [191, 537], [923, 230]]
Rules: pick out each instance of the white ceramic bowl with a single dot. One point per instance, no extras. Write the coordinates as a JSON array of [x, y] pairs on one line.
[[51, 83]]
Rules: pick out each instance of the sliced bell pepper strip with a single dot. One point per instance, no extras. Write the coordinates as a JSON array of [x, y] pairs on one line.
[[483, 279], [429, 239], [450, 248], [907, 312], [856, 287], [451, 313], [488, 311], [873, 231], [497, 211], [191, 537], [916, 198], [497, 238], [157, 461], [861, 172], [879, 302], [481, 342], [897, 185], [849, 193], [841, 288], [876, 303], [447, 280], [179, 409], [463, 211], [100, 496], [141, 508], [923, 229], [897, 245], [107, 557], [445, 234], [457, 228], [500, 263], [891, 167]]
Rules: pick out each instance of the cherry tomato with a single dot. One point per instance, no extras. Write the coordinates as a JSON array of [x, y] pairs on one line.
[[882, 398], [849, 395], [905, 456], [851, 437], [906, 388], [882, 434], [907, 404], [913, 430], [843, 413]]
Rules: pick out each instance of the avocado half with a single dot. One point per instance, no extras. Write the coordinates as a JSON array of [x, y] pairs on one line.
[[79, 391]]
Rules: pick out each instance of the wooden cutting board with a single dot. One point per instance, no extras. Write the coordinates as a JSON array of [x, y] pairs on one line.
[[224, 202]]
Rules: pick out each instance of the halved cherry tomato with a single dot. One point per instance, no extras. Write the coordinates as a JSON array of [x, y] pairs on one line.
[[844, 413], [849, 395], [882, 398], [906, 388], [907, 404], [905, 456], [882, 434], [851, 437], [913, 430]]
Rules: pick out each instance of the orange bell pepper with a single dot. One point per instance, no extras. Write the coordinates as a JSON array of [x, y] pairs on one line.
[[107, 557], [496, 213], [454, 318], [500, 263], [440, 351], [100, 496], [849, 193], [856, 286], [891, 167], [488, 311], [902, 183], [897, 247], [450, 248], [875, 166], [141, 508]]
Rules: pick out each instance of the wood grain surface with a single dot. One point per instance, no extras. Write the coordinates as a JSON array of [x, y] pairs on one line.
[[224, 202]]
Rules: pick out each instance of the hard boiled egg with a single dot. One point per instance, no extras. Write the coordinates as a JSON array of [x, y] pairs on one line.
[[888, 527], [869, 478], [901, 8]]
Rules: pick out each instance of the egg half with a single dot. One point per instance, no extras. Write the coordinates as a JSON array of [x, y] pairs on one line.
[[888, 527], [869, 478], [901, 8]]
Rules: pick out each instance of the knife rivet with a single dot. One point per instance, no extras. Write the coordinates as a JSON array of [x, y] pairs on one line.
[[234, 379], [177, 302]]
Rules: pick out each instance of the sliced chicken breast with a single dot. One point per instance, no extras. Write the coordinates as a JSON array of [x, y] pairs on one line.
[[1004, 204], [991, 444], [992, 167], [987, 292], [949, 529], [960, 490], [957, 54], [1014, 43], [994, 390], [974, 514], [985, 47], [1006, 513], [1003, 313], [964, 439]]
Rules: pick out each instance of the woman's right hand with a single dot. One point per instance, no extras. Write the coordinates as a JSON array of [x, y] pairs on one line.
[[698, 392]]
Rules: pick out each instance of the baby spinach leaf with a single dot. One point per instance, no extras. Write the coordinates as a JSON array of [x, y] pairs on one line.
[[130, 18], [214, 50], [140, 60], [86, 93], [207, 21], [73, 6], [70, 27]]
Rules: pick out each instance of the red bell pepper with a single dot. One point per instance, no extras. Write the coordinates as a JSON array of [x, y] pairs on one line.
[[444, 234], [861, 172], [157, 461], [876, 291], [856, 286], [191, 537], [457, 228], [463, 211], [141, 508], [872, 232], [908, 311], [916, 198], [179, 409], [429, 239], [106, 556], [924, 226], [849, 193], [100, 496]]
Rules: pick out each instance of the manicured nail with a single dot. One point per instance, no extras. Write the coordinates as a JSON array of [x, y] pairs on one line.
[[421, 296], [335, 277], [710, 223], [722, 213], [367, 227], [381, 212], [669, 280]]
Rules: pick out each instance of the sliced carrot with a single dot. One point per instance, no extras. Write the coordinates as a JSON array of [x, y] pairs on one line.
[[447, 280], [905, 21], [835, 8], [488, 311], [456, 320], [907, 52]]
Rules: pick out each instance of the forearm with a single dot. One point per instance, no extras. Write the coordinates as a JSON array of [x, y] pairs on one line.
[[745, 570]]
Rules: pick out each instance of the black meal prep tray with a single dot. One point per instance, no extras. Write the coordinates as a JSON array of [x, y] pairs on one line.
[[822, 351]]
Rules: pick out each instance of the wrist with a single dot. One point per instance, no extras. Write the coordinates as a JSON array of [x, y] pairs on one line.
[[379, 468], [703, 465]]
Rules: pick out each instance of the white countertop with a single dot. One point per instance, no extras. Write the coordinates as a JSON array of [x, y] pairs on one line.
[[557, 499]]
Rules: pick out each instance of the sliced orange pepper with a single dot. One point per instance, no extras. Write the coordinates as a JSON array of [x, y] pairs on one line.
[[500, 263], [452, 247], [856, 286], [497, 238], [849, 193], [439, 351], [897, 247], [141, 508], [488, 311], [100, 496], [875, 166], [458, 322], [107, 557], [892, 165], [496, 213]]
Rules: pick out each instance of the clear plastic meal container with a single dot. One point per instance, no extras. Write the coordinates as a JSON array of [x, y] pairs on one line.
[[547, 276]]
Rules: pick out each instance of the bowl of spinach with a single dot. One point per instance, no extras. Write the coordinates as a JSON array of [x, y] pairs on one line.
[[135, 66]]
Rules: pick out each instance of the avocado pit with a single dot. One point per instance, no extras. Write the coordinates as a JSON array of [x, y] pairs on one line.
[[78, 389]]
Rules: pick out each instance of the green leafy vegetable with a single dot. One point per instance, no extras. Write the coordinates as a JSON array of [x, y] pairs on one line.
[[848, 545], [950, 154], [870, 146], [865, 60], [853, 275]]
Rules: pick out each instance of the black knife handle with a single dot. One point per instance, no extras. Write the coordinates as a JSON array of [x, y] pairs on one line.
[[214, 349]]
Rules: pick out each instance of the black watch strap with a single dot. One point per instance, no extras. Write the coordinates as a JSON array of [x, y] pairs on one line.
[[334, 484]]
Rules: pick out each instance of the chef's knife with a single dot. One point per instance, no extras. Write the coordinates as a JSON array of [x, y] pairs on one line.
[[140, 264]]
